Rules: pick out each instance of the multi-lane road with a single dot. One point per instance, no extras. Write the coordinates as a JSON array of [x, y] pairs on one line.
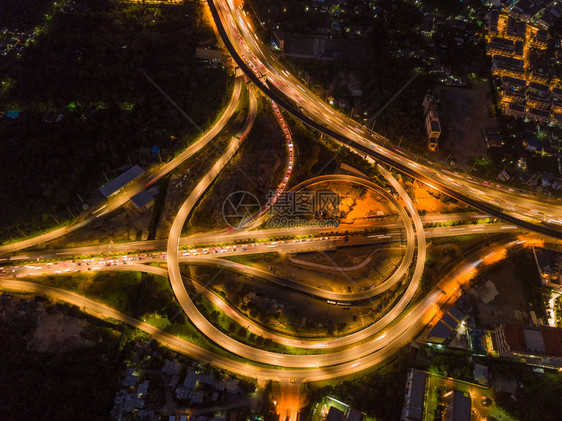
[[235, 236], [388, 343], [359, 347], [135, 187], [273, 79], [341, 355]]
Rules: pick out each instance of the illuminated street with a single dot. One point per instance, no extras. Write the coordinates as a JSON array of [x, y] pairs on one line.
[[311, 264]]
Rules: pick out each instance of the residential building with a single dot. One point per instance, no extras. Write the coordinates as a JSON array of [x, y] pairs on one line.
[[493, 138], [515, 30], [515, 340], [415, 393], [501, 46], [429, 103], [508, 66], [538, 76], [121, 181], [493, 19], [513, 84], [556, 93], [541, 116], [538, 102], [459, 407], [513, 96], [540, 39], [432, 124], [433, 129], [509, 337], [515, 110], [549, 265], [519, 49], [539, 89]]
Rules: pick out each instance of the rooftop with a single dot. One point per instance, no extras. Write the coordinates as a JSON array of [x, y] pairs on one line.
[[461, 406], [514, 336], [121, 181], [552, 337], [334, 414], [534, 341], [440, 332], [435, 126], [142, 199], [417, 392], [514, 81]]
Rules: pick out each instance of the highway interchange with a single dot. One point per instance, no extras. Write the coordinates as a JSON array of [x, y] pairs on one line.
[[539, 215], [336, 356]]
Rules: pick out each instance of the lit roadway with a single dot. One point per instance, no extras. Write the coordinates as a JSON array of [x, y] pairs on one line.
[[371, 350], [208, 256], [265, 70], [397, 336], [394, 338], [120, 198], [99, 310], [285, 360], [233, 236], [400, 333], [354, 352], [477, 393]]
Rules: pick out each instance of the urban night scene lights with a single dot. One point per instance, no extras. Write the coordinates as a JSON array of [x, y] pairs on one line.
[[314, 210]]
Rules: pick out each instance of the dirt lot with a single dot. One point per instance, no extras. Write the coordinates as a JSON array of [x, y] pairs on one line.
[[464, 114], [257, 168], [382, 262], [357, 202], [510, 305], [57, 333], [126, 224], [288, 311], [430, 200]]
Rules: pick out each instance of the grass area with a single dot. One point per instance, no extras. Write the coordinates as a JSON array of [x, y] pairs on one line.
[[380, 393], [257, 168], [112, 288], [448, 362], [250, 259], [159, 204], [537, 397], [191, 334], [87, 64], [140, 295], [143, 296], [286, 311], [73, 384], [241, 334], [23, 14]]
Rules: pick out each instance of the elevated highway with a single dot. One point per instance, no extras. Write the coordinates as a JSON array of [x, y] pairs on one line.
[[364, 145]]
